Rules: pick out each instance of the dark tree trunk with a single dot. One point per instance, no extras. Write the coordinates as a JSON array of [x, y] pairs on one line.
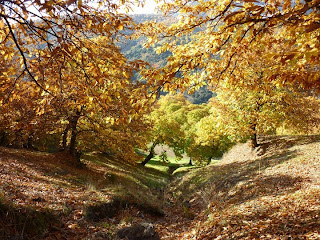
[[64, 137], [209, 160], [148, 158], [73, 143], [190, 162], [254, 139], [3, 140], [30, 141], [74, 133], [73, 122], [150, 155]]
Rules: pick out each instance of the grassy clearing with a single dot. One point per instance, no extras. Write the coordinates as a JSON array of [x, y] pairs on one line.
[[173, 165], [165, 167], [185, 169]]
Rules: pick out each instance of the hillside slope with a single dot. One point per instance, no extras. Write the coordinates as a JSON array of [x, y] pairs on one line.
[[270, 193], [44, 196]]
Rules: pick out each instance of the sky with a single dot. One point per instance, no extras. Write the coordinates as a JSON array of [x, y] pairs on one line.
[[149, 8]]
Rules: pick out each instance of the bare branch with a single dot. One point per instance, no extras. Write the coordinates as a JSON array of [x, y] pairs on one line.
[[24, 57]]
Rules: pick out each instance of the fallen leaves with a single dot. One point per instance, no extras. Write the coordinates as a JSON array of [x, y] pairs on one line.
[[274, 195], [270, 195]]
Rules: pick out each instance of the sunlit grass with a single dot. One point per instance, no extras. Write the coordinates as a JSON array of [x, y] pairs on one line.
[[164, 166], [173, 165]]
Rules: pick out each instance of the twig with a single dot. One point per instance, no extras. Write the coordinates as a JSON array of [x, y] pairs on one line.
[[24, 57]]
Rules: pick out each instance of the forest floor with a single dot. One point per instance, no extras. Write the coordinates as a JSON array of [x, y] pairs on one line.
[[272, 192]]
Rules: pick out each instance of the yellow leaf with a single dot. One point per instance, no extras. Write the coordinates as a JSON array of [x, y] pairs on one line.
[[126, 74]]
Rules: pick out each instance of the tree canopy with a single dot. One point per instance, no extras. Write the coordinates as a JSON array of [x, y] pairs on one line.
[[63, 74], [222, 32]]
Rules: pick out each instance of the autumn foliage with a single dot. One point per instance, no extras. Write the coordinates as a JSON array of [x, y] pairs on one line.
[[65, 81], [211, 39], [66, 87]]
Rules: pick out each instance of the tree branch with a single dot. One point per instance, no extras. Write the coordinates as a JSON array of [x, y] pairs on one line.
[[24, 57]]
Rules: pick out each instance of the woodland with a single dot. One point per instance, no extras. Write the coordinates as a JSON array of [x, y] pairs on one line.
[[198, 122]]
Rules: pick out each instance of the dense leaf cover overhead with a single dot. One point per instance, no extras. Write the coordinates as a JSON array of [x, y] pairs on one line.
[[222, 31], [62, 74]]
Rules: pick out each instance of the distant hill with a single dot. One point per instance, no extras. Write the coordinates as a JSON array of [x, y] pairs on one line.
[[135, 50], [200, 96]]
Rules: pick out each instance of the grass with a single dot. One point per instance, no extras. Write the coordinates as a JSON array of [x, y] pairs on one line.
[[185, 169], [115, 172], [173, 166], [163, 167]]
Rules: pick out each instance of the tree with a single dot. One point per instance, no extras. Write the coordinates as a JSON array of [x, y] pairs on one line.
[[64, 80], [222, 32], [54, 26], [263, 110], [175, 122], [195, 150], [261, 56], [212, 137], [252, 104], [93, 106], [166, 121]]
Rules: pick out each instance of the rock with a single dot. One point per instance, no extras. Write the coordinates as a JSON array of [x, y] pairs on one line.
[[100, 211], [101, 235], [142, 231]]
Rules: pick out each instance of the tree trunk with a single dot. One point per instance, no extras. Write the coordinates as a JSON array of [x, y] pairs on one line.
[[150, 155], [30, 141], [190, 162], [73, 143], [73, 122], [64, 137], [74, 133], [3, 141], [209, 160], [254, 139]]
